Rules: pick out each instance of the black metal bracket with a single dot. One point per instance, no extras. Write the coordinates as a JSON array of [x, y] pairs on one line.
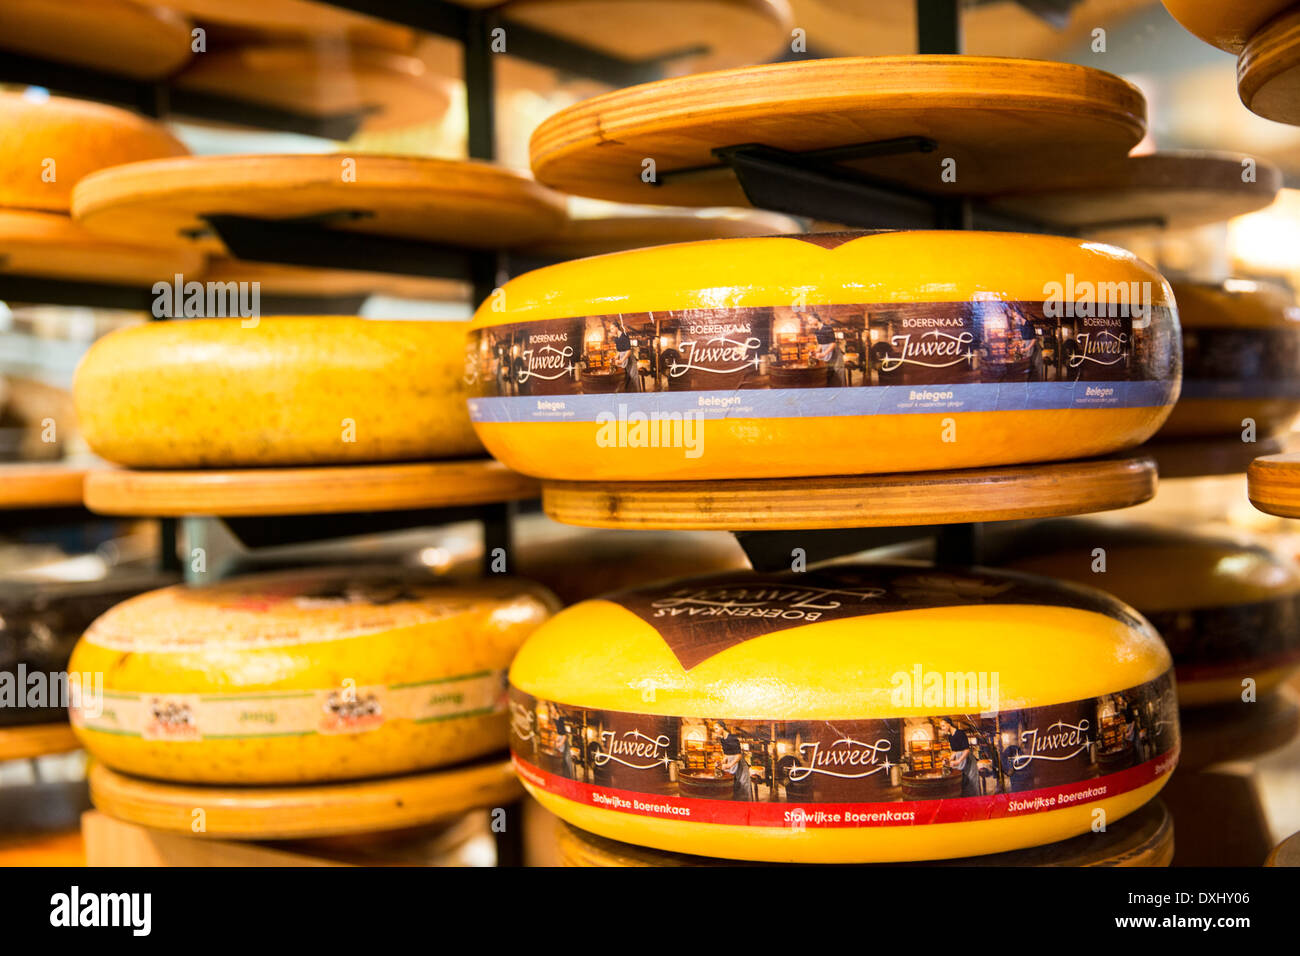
[[306, 241], [278, 530], [773, 551]]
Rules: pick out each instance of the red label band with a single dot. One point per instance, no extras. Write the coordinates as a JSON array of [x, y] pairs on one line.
[[840, 815]]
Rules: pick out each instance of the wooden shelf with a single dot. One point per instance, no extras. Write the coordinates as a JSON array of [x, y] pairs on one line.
[[41, 485], [288, 813], [36, 740], [1286, 853], [1053, 489], [1273, 484], [251, 492], [1005, 122]]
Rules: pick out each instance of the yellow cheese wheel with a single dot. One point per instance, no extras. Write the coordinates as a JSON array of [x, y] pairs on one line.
[[823, 354], [301, 676], [284, 391], [1228, 611], [47, 145], [851, 714], [1143, 838], [1227, 24], [1241, 360]]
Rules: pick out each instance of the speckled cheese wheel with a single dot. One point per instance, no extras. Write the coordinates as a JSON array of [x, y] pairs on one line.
[[286, 391], [1228, 610], [812, 673], [953, 329], [1241, 360], [1227, 24], [303, 676], [47, 145]]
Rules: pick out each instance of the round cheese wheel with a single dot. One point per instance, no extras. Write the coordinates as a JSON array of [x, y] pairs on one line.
[[51, 245], [851, 714], [1227, 25], [1286, 853], [823, 354], [1241, 360], [47, 145], [302, 676], [1228, 611], [1143, 838], [284, 391]]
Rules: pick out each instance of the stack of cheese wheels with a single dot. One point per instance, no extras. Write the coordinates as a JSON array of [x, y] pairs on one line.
[[856, 713], [1241, 360], [824, 354], [46, 146], [199, 393], [1229, 611], [1143, 838], [303, 676]]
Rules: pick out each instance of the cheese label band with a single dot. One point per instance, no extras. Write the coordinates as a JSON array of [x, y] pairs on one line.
[[707, 615], [903, 771], [340, 710], [1212, 642], [826, 360], [1241, 363]]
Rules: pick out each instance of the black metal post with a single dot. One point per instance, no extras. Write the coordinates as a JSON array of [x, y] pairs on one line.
[[938, 26], [480, 83]]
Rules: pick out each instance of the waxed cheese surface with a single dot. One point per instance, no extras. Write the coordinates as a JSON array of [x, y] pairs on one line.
[[303, 675], [839, 353], [275, 391]]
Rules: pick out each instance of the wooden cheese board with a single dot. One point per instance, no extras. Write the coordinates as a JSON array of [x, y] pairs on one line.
[[36, 740], [300, 812], [41, 485], [51, 245], [857, 501], [1143, 838], [1158, 190], [118, 36], [323, 80], [305, 282], [1286, 853], [322, 490], [1268, 70], [294, 17], [433, 200], [1002, 122], [691, 35], [1273, 484]]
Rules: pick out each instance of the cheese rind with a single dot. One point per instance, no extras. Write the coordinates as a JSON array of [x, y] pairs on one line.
[[745, 358], [282, 391], [828, 660], [303, 676], [47, 145], [1229, 26]]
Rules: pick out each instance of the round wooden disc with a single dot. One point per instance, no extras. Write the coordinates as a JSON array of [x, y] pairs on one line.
[[856, 501], [1286, 853], [36, 740], [1207, 457], [306, 282], [1237, 731], [436, 200], [117, 36], [1143, 838], [286, 813], [696, 34], [326, 490], [1268, 70], [295, 17], [51, 245], [1005, 122], [41, 485], [393, 89], [598, 235], [1273, 484], [1161, 190]]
